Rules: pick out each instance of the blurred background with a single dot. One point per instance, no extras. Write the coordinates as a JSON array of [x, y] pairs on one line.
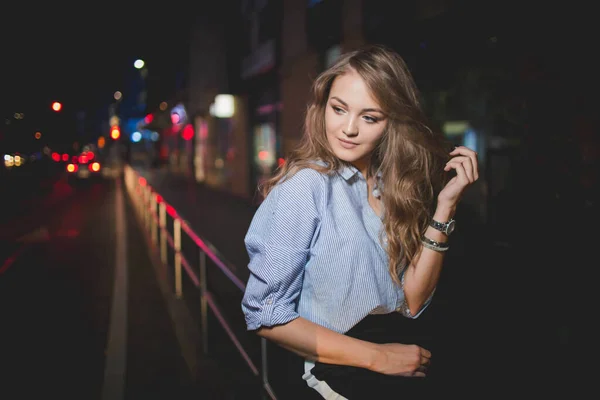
[[192, 104]]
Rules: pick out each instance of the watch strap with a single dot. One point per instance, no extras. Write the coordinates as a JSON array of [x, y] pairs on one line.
[[441, 226]]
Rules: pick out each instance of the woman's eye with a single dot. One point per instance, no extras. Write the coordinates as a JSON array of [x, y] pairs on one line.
[[337, 110], [370, 120]]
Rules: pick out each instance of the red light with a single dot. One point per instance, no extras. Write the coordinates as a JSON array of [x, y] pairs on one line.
[[263, 155], [280, 161], [56, 157], [56, 106], [94, 166], [149, 118], [71, 167], [188, 132], [65, 157], [171, 211], [175, 118]]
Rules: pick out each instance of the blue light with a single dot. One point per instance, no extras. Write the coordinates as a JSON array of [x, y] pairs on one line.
[[136, 137], [470, 139]]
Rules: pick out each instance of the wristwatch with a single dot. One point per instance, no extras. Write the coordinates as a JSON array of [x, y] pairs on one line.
[[445, 227]]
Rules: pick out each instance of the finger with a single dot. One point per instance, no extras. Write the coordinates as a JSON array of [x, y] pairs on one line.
[[425, 353], [467, 152], [462, 150], [468, 166], [455, 150], [459, 158], [419, 374], [475, 164], [461, 174], [467, 162], [421, 371]]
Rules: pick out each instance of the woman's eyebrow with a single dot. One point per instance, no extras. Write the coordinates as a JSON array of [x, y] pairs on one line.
[[362, 111]]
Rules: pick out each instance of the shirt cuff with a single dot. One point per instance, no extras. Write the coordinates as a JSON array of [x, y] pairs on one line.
[[271, 314]]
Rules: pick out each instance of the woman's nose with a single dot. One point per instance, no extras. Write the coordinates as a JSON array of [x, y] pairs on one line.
[[351, 128]]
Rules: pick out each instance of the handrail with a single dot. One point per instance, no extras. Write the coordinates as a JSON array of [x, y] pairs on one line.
[[152, 210]]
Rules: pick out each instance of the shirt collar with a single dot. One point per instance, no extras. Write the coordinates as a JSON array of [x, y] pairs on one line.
[[348, 172]]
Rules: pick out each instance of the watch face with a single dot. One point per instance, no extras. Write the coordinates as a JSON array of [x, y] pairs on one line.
[[450, 227]]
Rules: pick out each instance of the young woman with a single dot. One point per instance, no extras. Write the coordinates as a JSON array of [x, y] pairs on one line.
[[353, 230]]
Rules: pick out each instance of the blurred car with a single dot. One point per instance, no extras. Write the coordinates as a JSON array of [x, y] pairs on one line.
[[85, 166]]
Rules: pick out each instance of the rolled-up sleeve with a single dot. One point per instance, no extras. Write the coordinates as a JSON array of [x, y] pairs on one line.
[[278, 242]]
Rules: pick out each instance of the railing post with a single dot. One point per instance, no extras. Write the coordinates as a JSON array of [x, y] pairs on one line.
[[264, 363], [153, 219], [162, 215], [140, 192], [203, 303], [147, 200], [177, 248]]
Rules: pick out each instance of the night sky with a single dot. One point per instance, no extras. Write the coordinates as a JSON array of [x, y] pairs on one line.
[[81, 58]]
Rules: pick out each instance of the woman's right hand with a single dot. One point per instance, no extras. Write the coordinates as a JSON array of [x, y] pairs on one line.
[[407, 360]]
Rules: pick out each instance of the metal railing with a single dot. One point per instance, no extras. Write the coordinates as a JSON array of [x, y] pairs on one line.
[[152, 210]]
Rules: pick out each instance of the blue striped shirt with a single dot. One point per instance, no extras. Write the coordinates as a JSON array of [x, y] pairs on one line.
[[315, 251]]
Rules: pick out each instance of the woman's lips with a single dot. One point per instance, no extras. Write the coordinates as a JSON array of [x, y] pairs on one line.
[[347, 144]]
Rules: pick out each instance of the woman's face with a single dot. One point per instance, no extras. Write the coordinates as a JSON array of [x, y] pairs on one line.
[[353, 120]]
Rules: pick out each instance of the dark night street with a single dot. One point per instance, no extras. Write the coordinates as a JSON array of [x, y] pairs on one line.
[[57, 287], [135, 141]]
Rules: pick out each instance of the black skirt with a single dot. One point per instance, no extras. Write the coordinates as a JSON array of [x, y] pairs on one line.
[[359, 383]]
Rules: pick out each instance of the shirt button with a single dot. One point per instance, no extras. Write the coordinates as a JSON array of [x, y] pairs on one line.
[[269, 301]]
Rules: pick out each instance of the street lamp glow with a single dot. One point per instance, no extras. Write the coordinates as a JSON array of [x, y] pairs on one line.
[[223, 107], [139, 64]]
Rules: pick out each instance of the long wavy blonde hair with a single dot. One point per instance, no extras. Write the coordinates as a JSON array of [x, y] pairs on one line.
[[410, 155]]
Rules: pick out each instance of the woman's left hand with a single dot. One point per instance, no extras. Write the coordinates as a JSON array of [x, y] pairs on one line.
[[464, 163]]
